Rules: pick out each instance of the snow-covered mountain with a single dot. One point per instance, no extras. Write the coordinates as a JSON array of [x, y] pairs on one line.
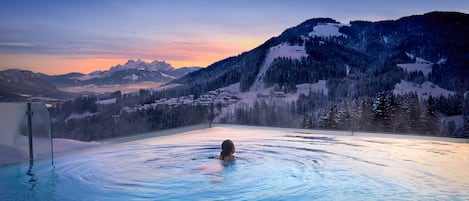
[[416, 66], [141, 65], [20, 85], [131, 72], [356, 59]]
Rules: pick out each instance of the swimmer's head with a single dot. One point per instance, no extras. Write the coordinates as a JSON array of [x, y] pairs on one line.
[[227, 148]]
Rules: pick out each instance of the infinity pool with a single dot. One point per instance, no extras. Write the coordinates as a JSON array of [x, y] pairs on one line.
[[272, 164]]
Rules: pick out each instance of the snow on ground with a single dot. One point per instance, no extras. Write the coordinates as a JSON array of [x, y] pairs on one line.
[[385, 39], [412, 67], [166, 75], [423, 90], [124, 88], [132, 77], [79, 116], [42, 148], [283, 50], [421, 61], [40, 98], [233, 88], [106, 102], [326, 30], [89, 76], [164, 87], [411, 56], [62, 144], [319, 86], [442, 61], [420, 65], [250, 97]]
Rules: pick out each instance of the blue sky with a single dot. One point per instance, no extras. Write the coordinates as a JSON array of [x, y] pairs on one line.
[[87, 35]]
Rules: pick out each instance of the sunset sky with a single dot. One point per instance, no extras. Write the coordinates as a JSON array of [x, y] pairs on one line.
[[62, 36]]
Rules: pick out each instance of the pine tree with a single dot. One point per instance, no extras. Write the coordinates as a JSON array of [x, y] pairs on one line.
[[398, 118], [414, 114], [465, 110], [307, 120], [366, 117], [381, 111], [344, 118], [430, 124], [328, 120], [355, 113], [304, 120]]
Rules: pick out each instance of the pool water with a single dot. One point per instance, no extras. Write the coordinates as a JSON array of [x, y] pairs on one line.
[[272, 164]]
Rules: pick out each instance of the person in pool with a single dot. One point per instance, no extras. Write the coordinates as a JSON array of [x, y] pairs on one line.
[[227, 151], [226, 155]]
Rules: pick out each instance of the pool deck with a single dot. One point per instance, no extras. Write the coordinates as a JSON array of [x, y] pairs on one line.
[[353, 133], [297, 130]]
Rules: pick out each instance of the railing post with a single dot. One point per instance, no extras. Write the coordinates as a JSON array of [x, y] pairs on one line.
[[30, 131]]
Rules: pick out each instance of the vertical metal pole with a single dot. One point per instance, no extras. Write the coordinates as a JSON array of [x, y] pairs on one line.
[[30, 131], [51, 141]]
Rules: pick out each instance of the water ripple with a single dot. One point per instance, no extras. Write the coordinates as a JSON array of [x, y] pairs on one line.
[[271, 169]]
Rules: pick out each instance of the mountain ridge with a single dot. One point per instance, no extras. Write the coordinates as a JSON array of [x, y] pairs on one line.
[[130, 72], [20, 85], [369, 49]]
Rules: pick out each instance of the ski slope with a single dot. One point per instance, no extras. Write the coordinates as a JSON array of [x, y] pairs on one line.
[[283, 50]]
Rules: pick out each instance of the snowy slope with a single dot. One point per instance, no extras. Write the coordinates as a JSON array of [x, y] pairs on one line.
[[250, 97], [412, 67], [132, 77], [166, 75], [420, 65], [423, 90], [326, 30], [96, 74], [283, 50], [80, 116], [320, 86], [106, 102], [165, 87]]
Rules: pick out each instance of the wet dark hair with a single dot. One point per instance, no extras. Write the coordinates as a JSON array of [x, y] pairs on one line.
[[227, 148]]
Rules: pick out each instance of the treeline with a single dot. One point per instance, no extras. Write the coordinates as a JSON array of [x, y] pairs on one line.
[[387, 112], [392, 113], [110, 120], [263, 113]]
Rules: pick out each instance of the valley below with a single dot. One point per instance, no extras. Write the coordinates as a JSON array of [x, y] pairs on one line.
[[100, 89]]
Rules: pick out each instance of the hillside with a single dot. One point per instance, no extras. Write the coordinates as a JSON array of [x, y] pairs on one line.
[[20, 85], [357, 59]]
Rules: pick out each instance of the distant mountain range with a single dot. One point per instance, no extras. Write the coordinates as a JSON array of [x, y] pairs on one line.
[[130, 72], [18, 84]]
